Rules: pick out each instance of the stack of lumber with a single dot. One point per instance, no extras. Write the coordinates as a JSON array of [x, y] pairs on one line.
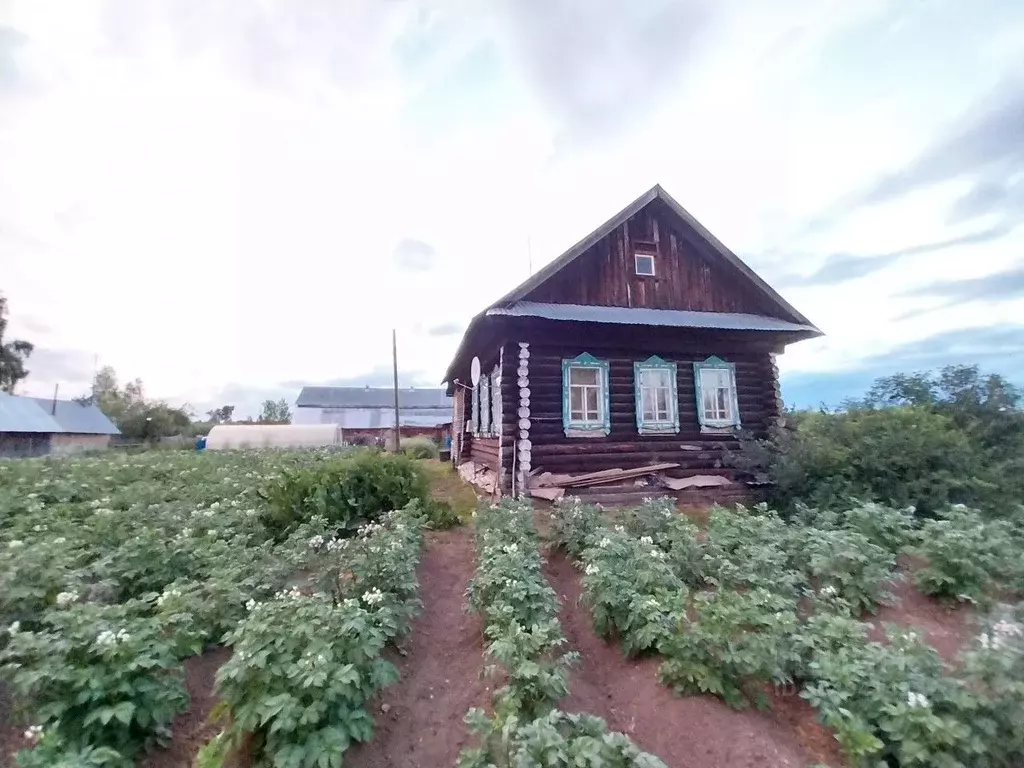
[[548, 480], [552, 487]]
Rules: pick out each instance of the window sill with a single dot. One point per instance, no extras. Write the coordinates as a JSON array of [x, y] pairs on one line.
[[586, 432], [658, 429], [727, 430]]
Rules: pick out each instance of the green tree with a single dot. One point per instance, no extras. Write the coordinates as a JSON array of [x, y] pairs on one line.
[[962, 391], [127, 407], [13, 354], [275, 412], [222, 414], [928, 439]]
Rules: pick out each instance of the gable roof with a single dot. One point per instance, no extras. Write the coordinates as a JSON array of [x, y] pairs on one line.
[[656, 192], [372, 397], [36, 414], [512, 302]]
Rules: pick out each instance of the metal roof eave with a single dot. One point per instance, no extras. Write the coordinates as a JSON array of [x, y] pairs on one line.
[[585, 313]]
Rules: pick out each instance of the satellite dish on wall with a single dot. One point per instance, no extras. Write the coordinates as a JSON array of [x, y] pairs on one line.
[[474, 371]]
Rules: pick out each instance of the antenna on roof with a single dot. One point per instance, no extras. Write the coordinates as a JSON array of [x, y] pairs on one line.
[[53, 410]]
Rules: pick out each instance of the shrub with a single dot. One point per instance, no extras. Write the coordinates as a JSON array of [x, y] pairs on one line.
[[420, 448], [345, 491], [906, 456], [97, 676], [440, 516]]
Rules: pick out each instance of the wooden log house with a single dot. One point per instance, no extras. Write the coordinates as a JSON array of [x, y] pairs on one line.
[[647, 342]]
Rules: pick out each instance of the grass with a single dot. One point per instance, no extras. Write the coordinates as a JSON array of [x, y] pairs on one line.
[[446, 486]]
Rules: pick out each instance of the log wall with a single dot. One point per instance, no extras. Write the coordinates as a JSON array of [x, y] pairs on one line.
[[695, 451]]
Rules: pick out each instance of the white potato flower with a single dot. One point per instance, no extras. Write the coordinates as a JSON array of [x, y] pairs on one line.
[[917, 700]]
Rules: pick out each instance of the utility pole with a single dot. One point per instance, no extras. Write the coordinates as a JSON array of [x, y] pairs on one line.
[[394, 361]]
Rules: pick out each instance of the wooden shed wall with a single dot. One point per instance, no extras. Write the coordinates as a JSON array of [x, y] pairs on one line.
[[687, 276], [694, 451]]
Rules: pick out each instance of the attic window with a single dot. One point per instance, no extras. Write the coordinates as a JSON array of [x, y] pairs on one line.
[[644, 264]]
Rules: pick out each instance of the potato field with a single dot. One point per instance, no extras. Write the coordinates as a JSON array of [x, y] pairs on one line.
[[302, 609]]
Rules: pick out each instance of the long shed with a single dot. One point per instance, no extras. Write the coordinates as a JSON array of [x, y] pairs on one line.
[[647, 342], [31, 426], [367, 414]]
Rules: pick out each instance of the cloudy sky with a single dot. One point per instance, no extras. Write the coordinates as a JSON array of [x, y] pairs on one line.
[[230, 199]]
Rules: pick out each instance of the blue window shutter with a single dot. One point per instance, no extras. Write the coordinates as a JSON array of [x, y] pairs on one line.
[[672, 425], [716, 363], [566, 365], [586, 360]]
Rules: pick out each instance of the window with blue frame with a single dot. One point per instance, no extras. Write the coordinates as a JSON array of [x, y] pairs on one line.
[[657, 401], [717, 403], [585, 397]]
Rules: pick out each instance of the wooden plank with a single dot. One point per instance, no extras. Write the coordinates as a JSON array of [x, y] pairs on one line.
[[611, 475], [550, 494], [696, 481]]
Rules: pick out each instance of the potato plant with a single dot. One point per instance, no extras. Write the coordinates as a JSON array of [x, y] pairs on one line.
[[555, 739], [731, 644], [520, 613], [631, 590], [294, 692], [97, 676], [965, 555], [993, 667], [848, 564], [573, 523], [750, 549], [892, 702], [114, 568]]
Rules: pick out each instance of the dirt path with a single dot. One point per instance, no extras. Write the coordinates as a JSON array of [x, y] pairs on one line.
[[422, 725], [948, 629], [191, 729], [685, 732]]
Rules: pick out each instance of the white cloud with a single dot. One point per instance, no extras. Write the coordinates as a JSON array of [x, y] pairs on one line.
[[209, 195]]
